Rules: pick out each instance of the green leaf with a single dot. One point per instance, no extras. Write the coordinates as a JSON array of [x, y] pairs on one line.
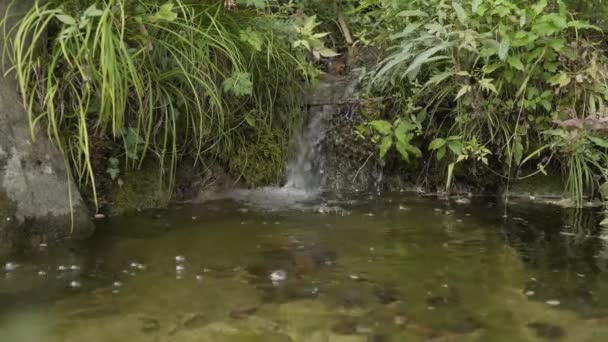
[[439, 78], [424, 57], [412, 13], [441, 153], [490, 68], [518, 151], [93, 11], [465, 89], [599, 141], [437, 144], [66, 19], [260, 4], [382, 127], [462, 15], [165, 13], [455, 147], [385, 145], [503, 49], [401, 147], [252, 38], [113, 172], [515, 62], [562, 79], [239, 84], [487, 85], [475, 5], [327, 53]]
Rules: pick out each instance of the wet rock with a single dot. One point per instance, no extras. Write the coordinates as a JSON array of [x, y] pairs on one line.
[[243, 311], [547, 331]]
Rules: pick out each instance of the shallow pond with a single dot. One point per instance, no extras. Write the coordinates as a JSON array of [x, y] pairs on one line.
[[391, 268]]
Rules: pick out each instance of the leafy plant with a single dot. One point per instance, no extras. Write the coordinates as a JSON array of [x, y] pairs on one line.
[[400, 135], [493, 75], [162, 79]]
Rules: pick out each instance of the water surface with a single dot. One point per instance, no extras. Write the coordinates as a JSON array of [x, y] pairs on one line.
[[391, 268]]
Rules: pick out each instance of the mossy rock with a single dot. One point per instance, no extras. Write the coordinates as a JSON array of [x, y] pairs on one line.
[[139, 190], [540, 186]]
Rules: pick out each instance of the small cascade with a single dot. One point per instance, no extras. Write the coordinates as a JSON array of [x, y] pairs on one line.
[[305, 171]]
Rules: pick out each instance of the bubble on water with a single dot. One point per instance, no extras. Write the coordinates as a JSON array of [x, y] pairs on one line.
[[180, 268], [74, 267], [278, 276], [117, 284], [141, 267], [199, 277], [180, 259], [75, 284], [133, 264], [10, 266], [370, 214], [62, 268], [530, 293], [42, 273], [354, 277], [115, 292], [402, 207], [553, 302], [43, 245]]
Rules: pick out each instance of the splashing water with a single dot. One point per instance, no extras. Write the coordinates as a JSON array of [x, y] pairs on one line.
[[305, 172]]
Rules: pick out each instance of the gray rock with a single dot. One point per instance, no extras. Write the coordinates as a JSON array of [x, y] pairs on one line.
[[34, 200]]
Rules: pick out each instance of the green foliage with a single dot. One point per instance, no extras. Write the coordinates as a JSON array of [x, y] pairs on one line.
[[492, 76], [400, 135], [162, 79]]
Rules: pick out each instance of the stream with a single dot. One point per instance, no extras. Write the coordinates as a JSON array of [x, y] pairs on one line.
[[364, 268]]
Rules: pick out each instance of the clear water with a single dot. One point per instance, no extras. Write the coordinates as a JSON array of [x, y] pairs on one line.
[[395, 268]]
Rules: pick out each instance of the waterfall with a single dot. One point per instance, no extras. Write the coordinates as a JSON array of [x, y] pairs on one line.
[[305, 171]]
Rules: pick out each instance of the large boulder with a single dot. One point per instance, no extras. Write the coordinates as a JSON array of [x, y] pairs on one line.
[[35, 205]]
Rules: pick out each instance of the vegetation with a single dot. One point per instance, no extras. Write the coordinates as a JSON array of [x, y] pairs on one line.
[[500, 88], [164, 81], [496, 85]]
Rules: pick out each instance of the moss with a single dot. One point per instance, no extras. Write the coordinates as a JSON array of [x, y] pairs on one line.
[[138, 190], [540, 185], [258, 160]]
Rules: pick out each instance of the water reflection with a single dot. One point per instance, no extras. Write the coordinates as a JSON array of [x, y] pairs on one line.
[[389, 268]]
